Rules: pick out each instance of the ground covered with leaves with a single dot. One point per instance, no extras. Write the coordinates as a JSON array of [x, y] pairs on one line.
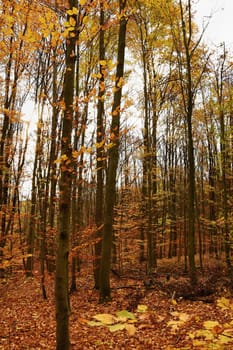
[[160, 312]]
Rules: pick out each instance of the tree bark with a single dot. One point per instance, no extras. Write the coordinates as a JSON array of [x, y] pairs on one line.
[[65, 184], [105, 292], [100, 154], [188, 105]]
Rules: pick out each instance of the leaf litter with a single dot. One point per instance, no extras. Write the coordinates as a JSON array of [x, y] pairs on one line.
[[136, 318]]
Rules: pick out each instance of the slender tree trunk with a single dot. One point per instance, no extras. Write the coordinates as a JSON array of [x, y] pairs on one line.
[[52, 170], [65, 184], [5, 146], [225, 161], [77, 132], [100, 154], [146, 208], [32, 221], [105, 292], [223, 146], [188, 98]]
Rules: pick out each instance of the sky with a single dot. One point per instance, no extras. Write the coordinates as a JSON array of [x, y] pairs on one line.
[[220, 27]]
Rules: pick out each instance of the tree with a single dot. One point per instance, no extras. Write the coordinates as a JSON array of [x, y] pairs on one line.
[[186, 46], [15, 58], [65, 185], [100, 150], [113, 156], [225, 152]]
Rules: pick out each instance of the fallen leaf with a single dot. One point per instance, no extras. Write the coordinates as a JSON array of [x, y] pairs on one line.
[[142, 308], [105, 319], [131, 329], [116, 327]]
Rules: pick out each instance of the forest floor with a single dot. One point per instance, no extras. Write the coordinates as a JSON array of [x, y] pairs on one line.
[[163, 312]]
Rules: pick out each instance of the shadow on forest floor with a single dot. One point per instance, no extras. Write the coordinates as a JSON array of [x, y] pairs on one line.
[[171, 279]]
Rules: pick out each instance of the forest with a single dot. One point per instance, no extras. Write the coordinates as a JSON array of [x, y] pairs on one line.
[[116, 177]]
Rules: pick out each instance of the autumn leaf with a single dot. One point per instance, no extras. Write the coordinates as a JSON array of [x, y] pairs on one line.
[[82, 2], [75, 154], [199, 343], [116, 327], [142, 308], [131, 329], [124, 315], [94, 323], [182, 316], [210, 324], [105, 319], [204, 333], [110, 145], [223, 303], [175, 324], [72, 22], [85, 20], [120, 83], [224, 339], [111, 65], [102, 62], [74, 11], [99, 144]]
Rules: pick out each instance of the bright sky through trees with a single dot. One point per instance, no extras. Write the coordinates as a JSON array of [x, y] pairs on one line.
[[221, 25]]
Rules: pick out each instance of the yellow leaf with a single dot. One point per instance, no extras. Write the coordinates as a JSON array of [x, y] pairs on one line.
[[223, 303], [184, 317], [110, 145], [85, 20], [115, 89], [72, 22], [204, 333], [117, 327], [82, 2], [64, 157], [124, 315], [142, 308], [131, 329], [74, 11], [175, 324], [75, 154], [102, 63], [94, 324], [111, 65], [211, 324], [198, 343], [223, 339], [99, 144], [120, 82], [106, 319]]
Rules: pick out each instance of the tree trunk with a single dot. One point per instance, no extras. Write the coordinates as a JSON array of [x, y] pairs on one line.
[[65, 184], [105, 292], [188, 98], [100, 154]]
